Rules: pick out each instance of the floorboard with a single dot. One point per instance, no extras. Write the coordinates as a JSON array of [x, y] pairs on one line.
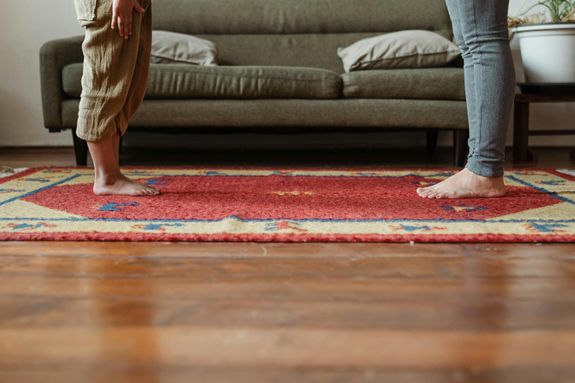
[[273, 312]]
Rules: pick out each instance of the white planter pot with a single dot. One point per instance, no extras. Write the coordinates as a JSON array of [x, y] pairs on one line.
[[547, 52]]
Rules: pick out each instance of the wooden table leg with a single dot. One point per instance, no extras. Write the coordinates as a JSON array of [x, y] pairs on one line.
[[520, 131]]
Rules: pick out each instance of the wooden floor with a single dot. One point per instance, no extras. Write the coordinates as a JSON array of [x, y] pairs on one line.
[[216, 312]]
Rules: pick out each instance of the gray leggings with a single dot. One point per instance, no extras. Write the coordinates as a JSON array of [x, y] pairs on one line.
[[480, 30]]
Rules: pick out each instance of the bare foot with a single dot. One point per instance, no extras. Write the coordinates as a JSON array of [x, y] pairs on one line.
[[108, 179], [465, 184], [122, 185]]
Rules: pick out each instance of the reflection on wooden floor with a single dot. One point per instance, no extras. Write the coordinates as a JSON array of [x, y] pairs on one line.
[[247, 312]]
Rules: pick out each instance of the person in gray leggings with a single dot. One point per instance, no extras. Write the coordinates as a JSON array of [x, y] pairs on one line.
[[480, 30]]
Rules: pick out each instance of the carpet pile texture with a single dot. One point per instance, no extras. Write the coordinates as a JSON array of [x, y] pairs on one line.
[[284, 205]]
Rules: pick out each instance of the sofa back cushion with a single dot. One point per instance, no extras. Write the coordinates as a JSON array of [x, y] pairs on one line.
[[295, 32]]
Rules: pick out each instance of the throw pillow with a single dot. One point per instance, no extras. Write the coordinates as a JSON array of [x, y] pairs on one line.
[[171, 47], [404, 49]]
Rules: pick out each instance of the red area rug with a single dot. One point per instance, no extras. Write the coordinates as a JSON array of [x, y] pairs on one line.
[[292, 205]]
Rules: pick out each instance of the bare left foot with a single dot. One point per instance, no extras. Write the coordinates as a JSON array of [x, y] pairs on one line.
[[108, 179], [122, 185], [465, 184]]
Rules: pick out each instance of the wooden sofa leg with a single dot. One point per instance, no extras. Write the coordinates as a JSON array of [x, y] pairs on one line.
[[460, 148], [432, 135], [80, 150], [121, 149]]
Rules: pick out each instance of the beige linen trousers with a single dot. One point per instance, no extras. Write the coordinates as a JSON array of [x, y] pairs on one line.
[[115, 73]]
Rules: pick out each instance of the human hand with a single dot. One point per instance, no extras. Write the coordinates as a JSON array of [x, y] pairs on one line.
[[122, 11]]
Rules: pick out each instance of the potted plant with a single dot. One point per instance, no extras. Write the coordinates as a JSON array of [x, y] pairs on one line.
[[547, 42]]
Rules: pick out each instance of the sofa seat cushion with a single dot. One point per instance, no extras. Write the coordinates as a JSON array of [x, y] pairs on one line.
[[182, 81], [211, 116], [427, 84]]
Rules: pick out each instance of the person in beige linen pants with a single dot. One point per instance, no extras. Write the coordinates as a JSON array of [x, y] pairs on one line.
[[116, 51]]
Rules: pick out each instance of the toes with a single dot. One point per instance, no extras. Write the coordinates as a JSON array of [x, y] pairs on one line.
[[423, 192], [141, 190], [444, 194], [428, 192], [433, 193], [152, 191]]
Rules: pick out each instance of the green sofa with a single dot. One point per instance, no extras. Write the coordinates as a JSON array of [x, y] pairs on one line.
[[279, 72]]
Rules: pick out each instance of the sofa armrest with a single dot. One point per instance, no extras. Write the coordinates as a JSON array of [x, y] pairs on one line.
[[54, 55]]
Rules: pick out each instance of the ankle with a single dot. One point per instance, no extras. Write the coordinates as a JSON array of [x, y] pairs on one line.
[[107, 178], [483, 178]]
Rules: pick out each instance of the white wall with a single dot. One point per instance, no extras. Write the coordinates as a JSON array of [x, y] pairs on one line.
[[26, 24]]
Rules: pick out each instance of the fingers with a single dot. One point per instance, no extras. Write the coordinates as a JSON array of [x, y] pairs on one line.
[[118, 21], [114, 19], [128, 26], [124, 25], [138, 7], [122, 17]]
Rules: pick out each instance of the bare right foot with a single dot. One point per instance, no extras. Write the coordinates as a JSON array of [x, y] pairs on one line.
[[465, 184], [122, 185]]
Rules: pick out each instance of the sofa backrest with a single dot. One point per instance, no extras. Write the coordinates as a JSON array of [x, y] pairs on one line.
[[295, 32]]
